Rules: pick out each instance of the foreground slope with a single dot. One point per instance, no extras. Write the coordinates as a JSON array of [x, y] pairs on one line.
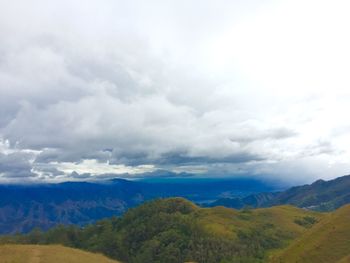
[[48, 254], [328, 241]]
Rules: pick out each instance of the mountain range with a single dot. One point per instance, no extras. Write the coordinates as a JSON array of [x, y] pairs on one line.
[[320, 196], [23, 207]]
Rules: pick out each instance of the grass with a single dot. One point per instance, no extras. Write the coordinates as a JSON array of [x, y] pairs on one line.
[[328, 241], [48, 254], [227, 222], [344, 260]]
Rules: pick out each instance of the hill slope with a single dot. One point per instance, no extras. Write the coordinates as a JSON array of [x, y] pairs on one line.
[[320, 196], [175, 231], [327, 241], [48, 254]]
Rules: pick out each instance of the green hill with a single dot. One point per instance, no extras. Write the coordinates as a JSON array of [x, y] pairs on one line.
[[328, 241], [175, 230], [48, 254]]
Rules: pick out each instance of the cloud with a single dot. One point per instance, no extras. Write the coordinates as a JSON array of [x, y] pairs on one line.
[[15, 165], [90, 89]]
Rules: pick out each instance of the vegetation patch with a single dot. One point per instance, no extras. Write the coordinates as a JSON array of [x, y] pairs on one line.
[[306, 221]]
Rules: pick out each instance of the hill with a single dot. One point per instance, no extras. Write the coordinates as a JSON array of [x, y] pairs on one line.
[[175, 231], [48, 254], [319, 196], [327, 241], [23, 207]]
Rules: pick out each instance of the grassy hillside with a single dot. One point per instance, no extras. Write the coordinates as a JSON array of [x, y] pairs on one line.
[[224, 221], [328, 241], [175, 231], [48, 254]]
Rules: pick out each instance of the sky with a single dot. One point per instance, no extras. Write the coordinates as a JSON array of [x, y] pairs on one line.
[[97, 89]]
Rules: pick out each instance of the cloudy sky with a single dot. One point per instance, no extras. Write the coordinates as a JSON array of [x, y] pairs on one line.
[[91, 89]]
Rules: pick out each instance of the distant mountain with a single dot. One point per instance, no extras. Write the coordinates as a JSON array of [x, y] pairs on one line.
[[251, 201], [320, 196], [23, 207], [175, 231], [201, 190], [27, 206]]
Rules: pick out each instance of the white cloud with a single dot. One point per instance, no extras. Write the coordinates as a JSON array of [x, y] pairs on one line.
[[227, 87], [95, 168]]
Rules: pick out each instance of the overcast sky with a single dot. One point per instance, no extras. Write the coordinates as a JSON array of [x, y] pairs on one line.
[[90, 89]]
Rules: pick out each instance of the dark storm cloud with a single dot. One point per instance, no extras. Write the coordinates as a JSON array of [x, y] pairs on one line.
[[183, 158], [16, 165]]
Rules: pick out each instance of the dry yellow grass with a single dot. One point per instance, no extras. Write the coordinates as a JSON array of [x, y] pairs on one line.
[[48, 254], [327, 242], [226, 221], [345, 260]]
